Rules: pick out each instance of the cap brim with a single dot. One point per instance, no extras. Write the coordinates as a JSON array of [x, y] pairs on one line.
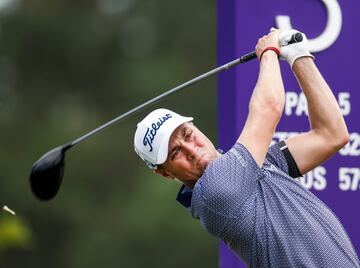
[[164, 146]]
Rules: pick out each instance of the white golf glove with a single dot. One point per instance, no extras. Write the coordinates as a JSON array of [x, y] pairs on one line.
[[291, 52]]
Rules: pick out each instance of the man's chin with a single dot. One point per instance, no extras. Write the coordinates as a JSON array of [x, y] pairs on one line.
[[202, 164]]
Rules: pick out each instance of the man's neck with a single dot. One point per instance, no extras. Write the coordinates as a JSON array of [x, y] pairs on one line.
[[190, 184]]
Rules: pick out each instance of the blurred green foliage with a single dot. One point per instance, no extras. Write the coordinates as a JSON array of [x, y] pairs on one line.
[[14, 234], [67, 67]]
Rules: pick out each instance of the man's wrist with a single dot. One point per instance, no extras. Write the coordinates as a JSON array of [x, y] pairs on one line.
[[274, 50], [303, 60], [269, 55]]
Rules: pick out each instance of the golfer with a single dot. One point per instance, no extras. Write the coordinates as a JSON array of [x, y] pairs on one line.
[[248, 196]]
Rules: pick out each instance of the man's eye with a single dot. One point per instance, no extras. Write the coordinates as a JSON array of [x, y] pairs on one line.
[[188, 135], [175, 153]]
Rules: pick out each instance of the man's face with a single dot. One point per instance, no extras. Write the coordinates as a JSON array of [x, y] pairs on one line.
[[190, 151]]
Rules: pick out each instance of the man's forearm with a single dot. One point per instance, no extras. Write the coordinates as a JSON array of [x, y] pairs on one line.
[[324, 112], [269, 89]]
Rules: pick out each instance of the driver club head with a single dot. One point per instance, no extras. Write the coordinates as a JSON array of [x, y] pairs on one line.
[[47, 173]]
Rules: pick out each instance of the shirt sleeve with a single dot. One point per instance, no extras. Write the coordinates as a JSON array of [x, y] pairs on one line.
[[280, 156]]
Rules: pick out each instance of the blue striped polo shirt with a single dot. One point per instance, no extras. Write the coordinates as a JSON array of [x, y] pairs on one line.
[[265, 216]]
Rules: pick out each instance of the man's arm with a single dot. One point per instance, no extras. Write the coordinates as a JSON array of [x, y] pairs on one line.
[[328, 131], [267, 101]]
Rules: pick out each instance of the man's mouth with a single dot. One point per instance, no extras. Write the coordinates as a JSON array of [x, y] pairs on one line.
[[201, 161]]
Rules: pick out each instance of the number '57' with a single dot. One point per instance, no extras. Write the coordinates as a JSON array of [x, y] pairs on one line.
[[349, 179]]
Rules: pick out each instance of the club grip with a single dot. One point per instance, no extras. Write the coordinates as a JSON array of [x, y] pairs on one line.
[[295, 38], [248, 57]]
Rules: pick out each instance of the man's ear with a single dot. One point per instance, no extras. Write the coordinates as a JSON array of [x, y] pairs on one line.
[[163, 172]]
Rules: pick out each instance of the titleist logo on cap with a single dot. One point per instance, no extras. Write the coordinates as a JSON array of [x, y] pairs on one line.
[[151, 133]]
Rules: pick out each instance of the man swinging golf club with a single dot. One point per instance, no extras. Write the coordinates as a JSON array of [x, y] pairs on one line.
[[248, 196]]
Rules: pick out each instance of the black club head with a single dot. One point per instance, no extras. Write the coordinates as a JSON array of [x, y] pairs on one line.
[[47, 173]]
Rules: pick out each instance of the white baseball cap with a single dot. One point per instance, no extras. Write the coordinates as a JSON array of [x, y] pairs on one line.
[[153, 133]]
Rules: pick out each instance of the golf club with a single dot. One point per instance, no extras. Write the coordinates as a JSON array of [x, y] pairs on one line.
[[47, 172]]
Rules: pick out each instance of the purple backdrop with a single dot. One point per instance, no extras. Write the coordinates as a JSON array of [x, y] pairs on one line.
[[240, 24]]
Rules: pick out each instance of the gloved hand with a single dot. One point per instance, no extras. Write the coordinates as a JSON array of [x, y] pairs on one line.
[[292, 52]]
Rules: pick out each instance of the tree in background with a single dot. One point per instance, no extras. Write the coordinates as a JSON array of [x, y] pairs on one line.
[[67, 67]]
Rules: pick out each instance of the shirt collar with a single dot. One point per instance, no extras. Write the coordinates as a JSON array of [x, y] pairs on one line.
[[184, 196]]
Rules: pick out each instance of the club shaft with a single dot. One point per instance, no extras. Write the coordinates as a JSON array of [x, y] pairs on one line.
[[226, 66]]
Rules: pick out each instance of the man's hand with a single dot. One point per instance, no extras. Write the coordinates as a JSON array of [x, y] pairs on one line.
[[294, 51], [270, 40]]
